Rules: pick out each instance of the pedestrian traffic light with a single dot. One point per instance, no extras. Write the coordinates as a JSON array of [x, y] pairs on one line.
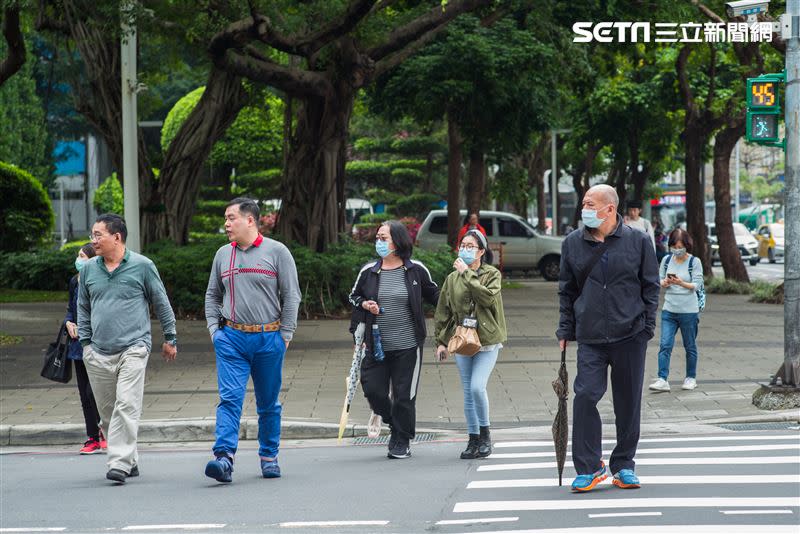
[[764, 109]]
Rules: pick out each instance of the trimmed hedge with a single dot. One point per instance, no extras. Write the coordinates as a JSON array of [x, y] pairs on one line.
[[28, 216], [325, 279]]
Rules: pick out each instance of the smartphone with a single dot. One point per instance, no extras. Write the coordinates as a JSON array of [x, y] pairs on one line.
[[672, 275]]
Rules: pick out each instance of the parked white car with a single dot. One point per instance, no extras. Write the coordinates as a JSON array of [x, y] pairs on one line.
[[524, 249]]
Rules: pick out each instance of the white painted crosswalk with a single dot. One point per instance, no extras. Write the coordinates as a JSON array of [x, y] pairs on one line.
[[709, 484]]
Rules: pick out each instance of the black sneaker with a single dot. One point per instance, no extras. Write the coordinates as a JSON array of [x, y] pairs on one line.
[[117, 475], [401, 449], [392, 442], [134, 471]]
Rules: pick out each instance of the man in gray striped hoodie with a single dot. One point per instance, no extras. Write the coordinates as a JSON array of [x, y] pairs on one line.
[[251, 308]]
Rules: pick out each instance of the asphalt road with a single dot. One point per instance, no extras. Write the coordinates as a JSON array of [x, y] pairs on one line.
[[720, 483], [768, 272]]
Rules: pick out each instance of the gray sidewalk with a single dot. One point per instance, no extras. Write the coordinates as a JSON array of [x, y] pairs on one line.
[[740, 344]]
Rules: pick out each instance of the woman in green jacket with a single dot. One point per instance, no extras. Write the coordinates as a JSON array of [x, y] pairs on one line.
[[474, 281]]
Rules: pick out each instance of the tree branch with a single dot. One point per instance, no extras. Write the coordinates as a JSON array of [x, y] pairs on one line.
[[389, 63], [683, 81], [251, 64], [418, 27], [16, 44], [355, 13]]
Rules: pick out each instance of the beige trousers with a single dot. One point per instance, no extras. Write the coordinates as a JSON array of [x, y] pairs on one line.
[[118, 385]]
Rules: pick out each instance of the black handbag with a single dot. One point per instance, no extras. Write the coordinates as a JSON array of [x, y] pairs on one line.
[[57, 367]]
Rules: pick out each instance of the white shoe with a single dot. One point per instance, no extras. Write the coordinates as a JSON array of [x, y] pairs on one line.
[[374, 425], [660, 385], [689, 383]]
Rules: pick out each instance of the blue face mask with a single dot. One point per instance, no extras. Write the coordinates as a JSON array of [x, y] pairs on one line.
[[590, 218], [382, 248], [79, 263], [468, 256]]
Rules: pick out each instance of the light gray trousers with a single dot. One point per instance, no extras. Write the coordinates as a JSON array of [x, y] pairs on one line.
[[118, 385]]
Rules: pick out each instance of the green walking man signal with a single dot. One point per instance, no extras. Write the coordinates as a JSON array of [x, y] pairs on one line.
[[764, 109]]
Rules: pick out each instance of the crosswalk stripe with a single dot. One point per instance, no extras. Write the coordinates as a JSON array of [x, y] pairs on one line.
[[644, 479], [657, 529], [751, 512], [477, 520], [296, 524], [676, 439], [577, 504], [740, 460], [193, 526], [625, 514], [663, 450]]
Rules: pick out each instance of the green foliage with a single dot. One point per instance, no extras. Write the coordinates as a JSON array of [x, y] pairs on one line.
[[408, 176], [109, 197], [373, 219], [24, 138], [40, 269], [416, 205], [723, 286], [28, 216], [381, 196], [368, 171], [32, 295], [259, 185], [510, 185], [215, 208], [253, 142], [766, 292]]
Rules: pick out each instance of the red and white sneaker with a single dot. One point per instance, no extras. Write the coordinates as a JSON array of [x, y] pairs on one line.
[[103, 442], [92, 446]]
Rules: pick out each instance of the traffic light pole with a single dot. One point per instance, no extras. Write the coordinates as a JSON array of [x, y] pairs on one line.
[[791, 286], [130, 151]]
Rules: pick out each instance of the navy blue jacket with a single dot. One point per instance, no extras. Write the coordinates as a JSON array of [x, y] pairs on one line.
[[620, 296], [74, 351]]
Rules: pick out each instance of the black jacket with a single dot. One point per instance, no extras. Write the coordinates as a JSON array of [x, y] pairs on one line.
[[620, 296], [419, 284]]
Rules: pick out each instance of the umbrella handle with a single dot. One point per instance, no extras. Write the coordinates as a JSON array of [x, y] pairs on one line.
[[564, 356]]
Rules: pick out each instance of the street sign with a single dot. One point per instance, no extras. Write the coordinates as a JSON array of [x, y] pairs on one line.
[[764, 109]]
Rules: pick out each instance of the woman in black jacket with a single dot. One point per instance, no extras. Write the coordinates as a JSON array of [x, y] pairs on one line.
[[96, 442], [388, 294]]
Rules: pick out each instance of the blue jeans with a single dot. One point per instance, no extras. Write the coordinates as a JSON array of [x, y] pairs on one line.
[[475, 371], [670, 323], [240, 355]]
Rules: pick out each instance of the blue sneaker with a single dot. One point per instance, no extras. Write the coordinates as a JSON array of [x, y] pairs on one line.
[[220, 468], [626, 479], [270, 468], [588, 482]]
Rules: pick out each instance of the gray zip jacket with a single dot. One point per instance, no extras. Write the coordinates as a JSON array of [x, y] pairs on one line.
[[620, 296]]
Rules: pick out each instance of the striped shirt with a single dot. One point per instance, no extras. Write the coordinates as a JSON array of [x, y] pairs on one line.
[[396, 322]]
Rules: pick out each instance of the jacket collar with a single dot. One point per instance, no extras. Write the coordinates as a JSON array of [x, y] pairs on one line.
[[587, 235], [407, 264]]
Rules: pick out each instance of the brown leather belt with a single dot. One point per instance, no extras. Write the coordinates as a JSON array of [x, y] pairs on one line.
[[253, 328]]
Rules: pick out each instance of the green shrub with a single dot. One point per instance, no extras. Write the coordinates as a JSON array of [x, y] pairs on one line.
[[73, 246], [381, 196], [416, 205], [39, 269], [211, 207], [28, 216], [367, 170], [260, 185], [374, 219], [721, 286], [766, 292], [109, 197], [416, 164]]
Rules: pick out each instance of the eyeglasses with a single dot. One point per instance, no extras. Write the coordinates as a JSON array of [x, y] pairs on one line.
[[97, 236], [468, 247]]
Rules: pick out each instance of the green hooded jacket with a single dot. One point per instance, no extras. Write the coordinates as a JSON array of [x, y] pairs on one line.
[[459, 290]]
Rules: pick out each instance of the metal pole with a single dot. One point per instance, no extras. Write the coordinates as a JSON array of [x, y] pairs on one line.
[[130, 163], [736, 189], [554, 181], [791, 288], [61, 210]]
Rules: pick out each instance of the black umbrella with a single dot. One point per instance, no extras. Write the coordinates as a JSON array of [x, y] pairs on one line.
[[561, 424]]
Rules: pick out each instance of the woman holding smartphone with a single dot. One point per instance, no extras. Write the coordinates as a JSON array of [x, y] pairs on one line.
[[681, 275]]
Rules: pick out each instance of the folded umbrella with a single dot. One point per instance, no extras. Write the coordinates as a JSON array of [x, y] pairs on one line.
[[351, 381], [561, 423]]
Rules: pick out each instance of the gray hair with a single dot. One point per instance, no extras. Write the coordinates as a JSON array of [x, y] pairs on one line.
[[608, 193]]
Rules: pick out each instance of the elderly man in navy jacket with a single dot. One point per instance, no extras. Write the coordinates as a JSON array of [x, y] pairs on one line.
[[608, 291]]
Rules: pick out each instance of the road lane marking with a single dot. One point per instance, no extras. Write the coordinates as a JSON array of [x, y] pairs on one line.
[[653, 502], [657, 529], [741, 460], [748, 512], [34, 529], [195, 526], [684, 479], [300, 524], [625, 514], [663, 450], [549, 443], [477, 520]]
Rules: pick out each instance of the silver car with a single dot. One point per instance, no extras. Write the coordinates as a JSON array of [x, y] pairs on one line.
[[524, 249]]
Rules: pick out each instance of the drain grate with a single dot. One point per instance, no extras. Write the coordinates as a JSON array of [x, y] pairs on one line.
[[782, 425], [384, 439]]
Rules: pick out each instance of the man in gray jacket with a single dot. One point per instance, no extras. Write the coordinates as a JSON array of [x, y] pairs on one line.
[[116, 290], [608, 289], [251, 308]]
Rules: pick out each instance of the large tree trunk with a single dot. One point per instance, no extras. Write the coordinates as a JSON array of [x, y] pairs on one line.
[[455, 145], [477, 180], [168, 211], [693, 146], [15, 43], [580, 177], [724, 143], [312, 208], [536, 168]]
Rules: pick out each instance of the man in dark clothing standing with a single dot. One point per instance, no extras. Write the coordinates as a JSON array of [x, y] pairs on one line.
[[608, 292]]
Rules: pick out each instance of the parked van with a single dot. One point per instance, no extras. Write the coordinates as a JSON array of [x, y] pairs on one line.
[[523, 248]]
